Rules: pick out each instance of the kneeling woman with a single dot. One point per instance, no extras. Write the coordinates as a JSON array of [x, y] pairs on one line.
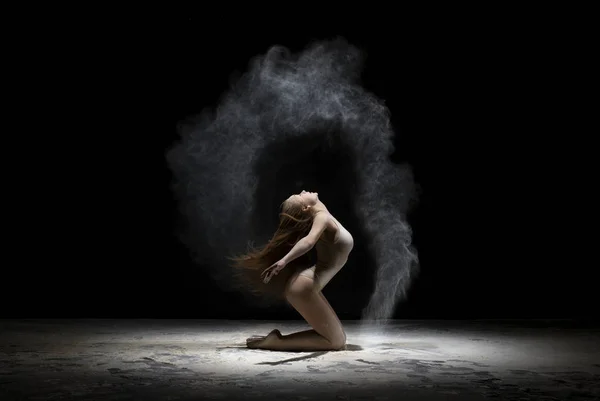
[[282, 268]]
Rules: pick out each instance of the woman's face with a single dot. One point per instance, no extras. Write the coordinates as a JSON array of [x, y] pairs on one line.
[[305, 198]]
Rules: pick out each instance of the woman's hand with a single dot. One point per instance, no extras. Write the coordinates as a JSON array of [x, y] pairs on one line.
[[272, 270]]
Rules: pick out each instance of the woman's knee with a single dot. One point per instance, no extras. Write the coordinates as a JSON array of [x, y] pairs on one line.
[[335, 334], [338, 342]]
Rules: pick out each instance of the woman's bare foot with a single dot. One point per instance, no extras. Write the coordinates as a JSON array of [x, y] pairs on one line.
[[264, 342], [253, 339]]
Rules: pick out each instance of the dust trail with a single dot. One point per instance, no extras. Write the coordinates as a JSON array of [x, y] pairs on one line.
[[225, 154]]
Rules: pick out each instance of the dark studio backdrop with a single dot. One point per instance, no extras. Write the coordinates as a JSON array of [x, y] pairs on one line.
[[469, 106]]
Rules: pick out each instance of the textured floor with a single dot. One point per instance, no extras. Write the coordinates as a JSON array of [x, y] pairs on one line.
[[201, 360]]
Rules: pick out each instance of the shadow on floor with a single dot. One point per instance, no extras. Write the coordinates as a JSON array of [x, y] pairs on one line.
[[298, 358], [349, 347]]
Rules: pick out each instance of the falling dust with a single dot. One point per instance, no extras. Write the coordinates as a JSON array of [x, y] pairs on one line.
[[223, 156]]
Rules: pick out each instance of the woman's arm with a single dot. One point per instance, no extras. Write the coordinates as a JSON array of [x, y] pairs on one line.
[[307, 243]]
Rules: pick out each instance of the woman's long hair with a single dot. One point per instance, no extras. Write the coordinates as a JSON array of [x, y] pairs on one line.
[[294, 223]]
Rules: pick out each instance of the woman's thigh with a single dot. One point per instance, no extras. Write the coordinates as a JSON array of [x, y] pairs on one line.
[[314, 308]]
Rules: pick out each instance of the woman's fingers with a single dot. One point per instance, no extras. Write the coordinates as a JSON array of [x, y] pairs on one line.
[[265, 276], [269, 272]]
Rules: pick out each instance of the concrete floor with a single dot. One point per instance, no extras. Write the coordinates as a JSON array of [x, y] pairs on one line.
[[201, 360]]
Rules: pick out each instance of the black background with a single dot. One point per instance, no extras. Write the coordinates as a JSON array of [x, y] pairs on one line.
[[480, 112]]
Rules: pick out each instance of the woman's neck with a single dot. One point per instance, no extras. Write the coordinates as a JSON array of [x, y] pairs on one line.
[[319, 207]]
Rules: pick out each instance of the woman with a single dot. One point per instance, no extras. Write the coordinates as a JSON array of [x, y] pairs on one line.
[[282, 268]]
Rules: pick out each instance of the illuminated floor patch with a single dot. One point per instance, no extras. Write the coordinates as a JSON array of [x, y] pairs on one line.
[[403, 360]]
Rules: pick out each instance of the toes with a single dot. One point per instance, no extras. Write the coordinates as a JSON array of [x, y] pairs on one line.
[[259, 341], [250, 342]]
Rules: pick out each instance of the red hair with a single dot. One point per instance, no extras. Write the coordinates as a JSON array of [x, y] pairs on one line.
[[294, 223]]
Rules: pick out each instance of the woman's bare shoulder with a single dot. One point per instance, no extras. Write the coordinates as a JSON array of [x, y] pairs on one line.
[[326, 219], [333, 224]]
